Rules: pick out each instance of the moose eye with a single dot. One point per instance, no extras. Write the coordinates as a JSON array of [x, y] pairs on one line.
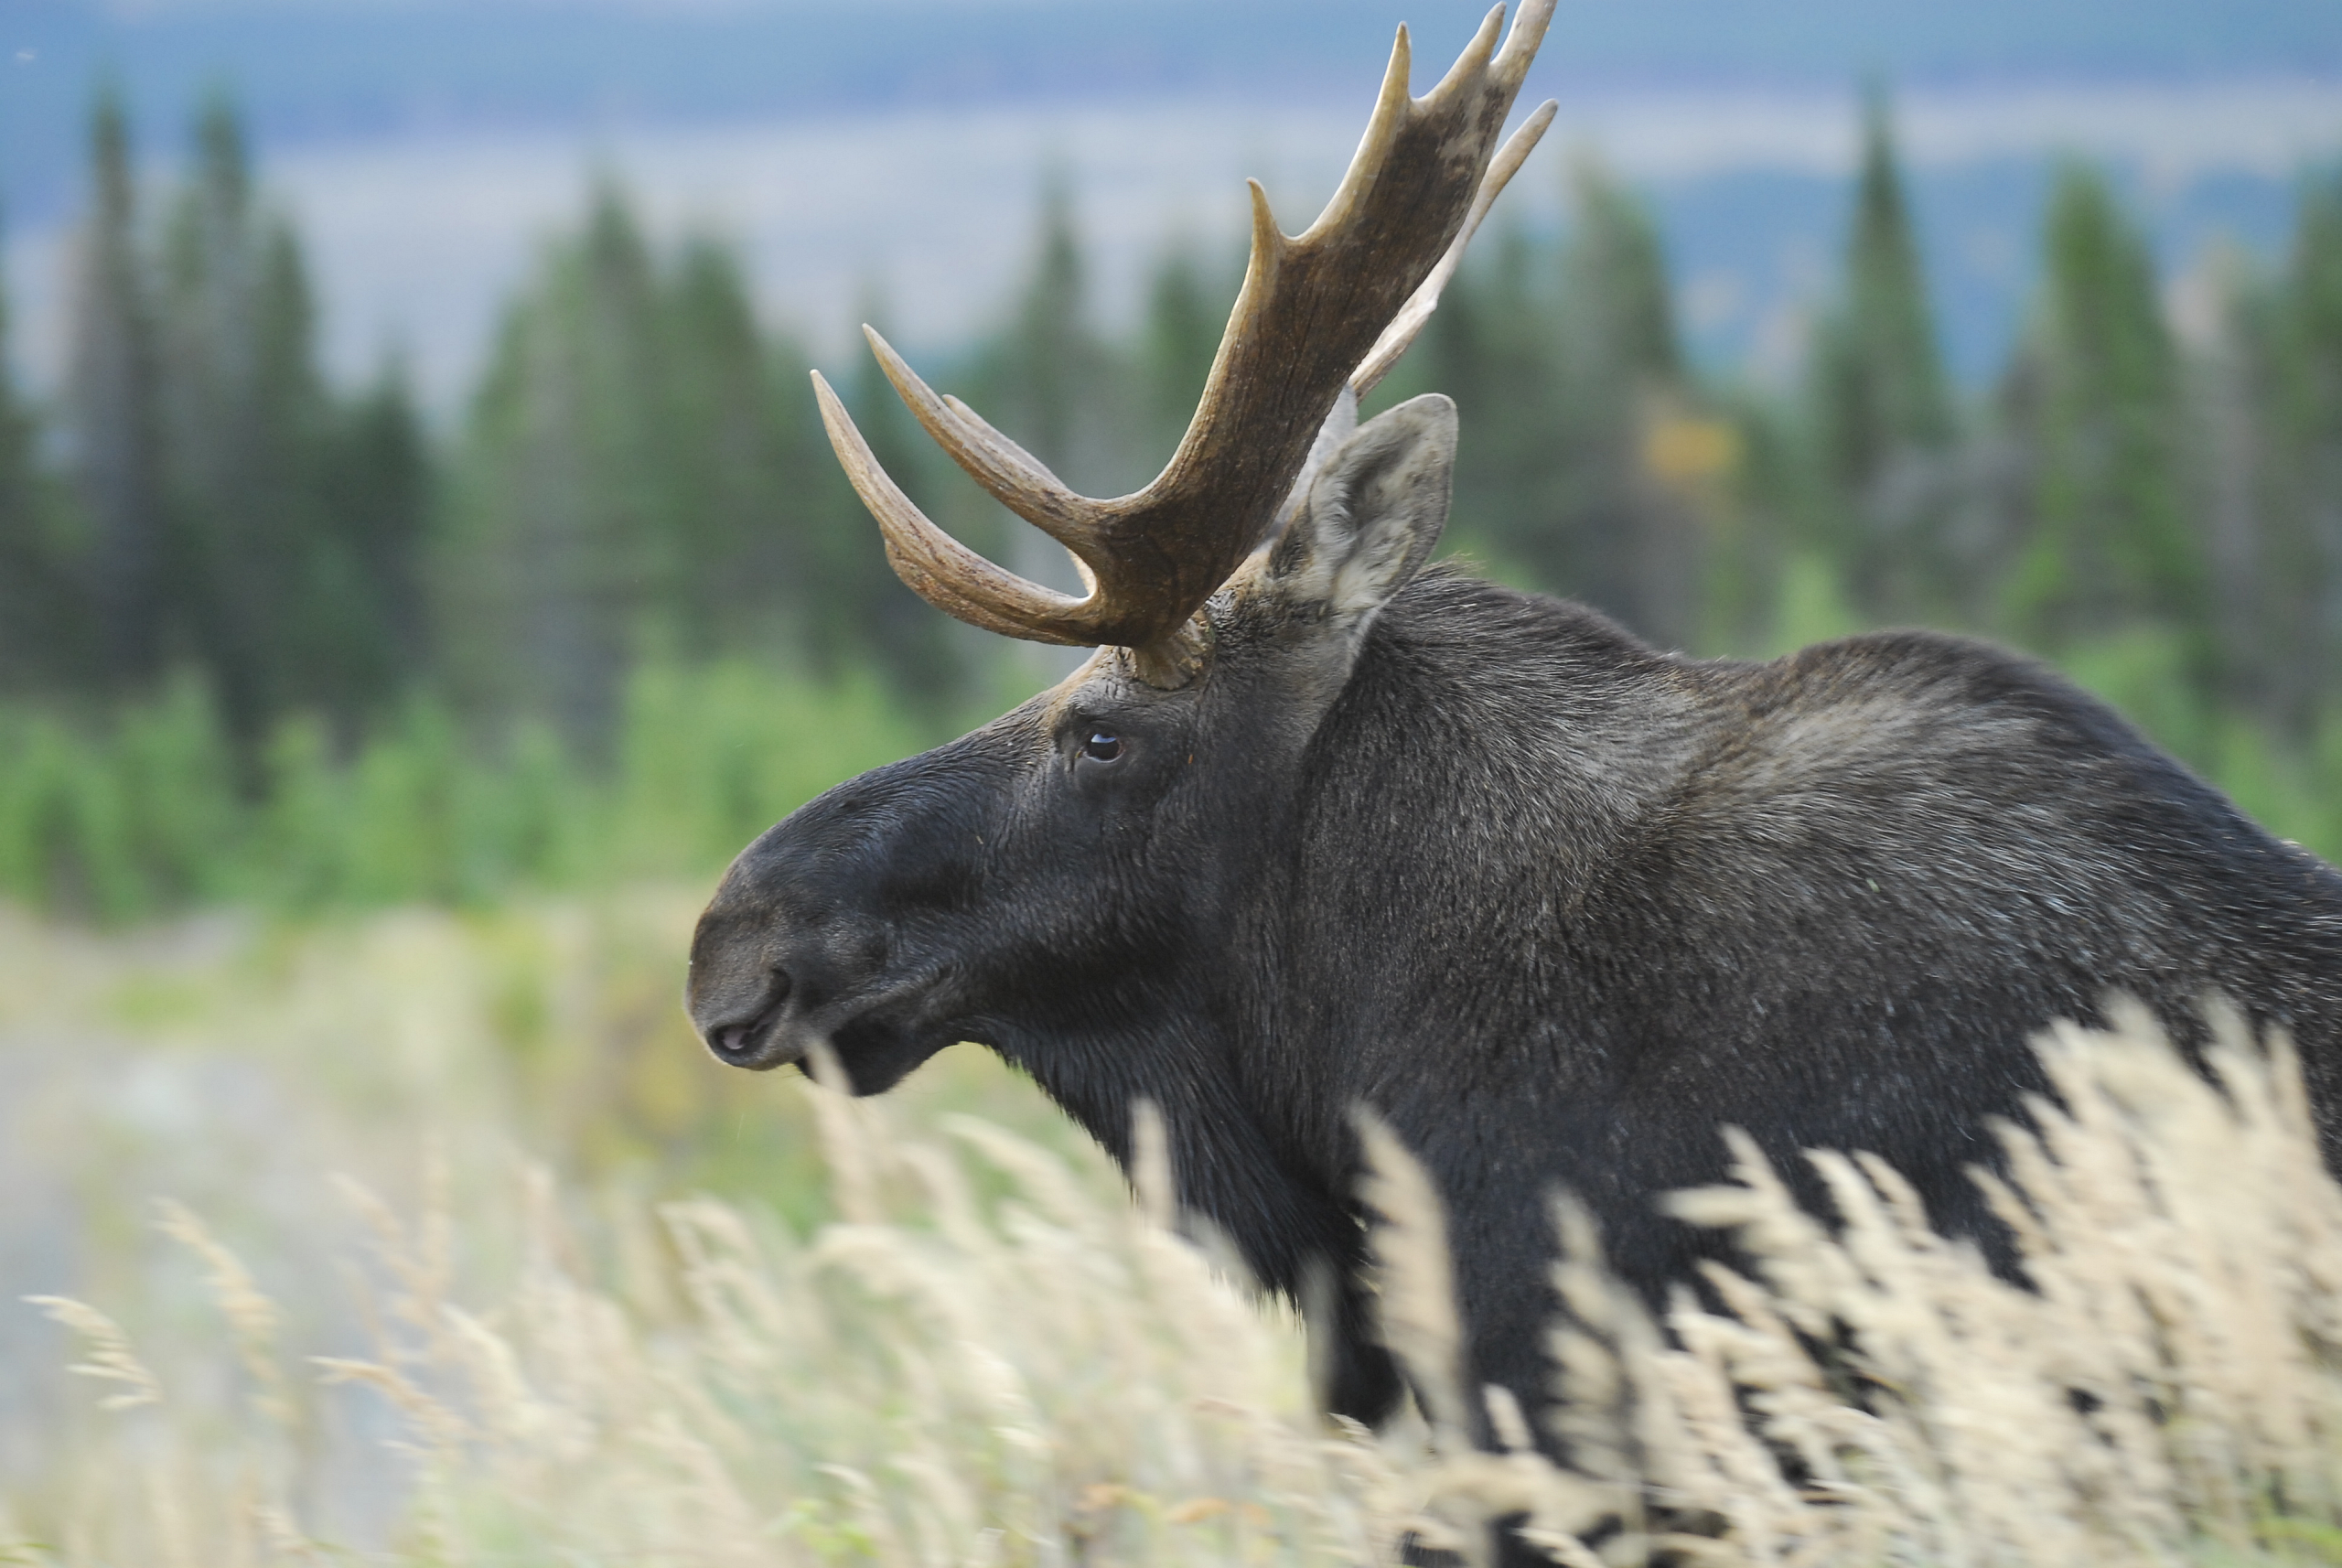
[[1102, 746]]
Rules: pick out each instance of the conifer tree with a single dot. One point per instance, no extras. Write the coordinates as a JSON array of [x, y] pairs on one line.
[[1185, 319], [2299, 350], [726, 458], [643, 471], [1049, 364], [2096, 402], [555, 548], [248, 434], [1492, 348], [1881, 408], [113, 423], [1616, 272], [377, 500], [1620, 540], [35, 622]]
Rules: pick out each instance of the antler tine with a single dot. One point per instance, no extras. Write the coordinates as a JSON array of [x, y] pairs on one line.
[[1391, 107], [1314, 309], [1400, 334], [1528, 27], [1013, 476], [936, 566], [1475, 57]]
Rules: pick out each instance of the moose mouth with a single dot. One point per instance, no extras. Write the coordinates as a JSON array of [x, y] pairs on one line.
[[874, 1043]]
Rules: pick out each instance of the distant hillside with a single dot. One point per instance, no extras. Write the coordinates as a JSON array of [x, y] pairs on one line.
[[311, 69], [428, 145]]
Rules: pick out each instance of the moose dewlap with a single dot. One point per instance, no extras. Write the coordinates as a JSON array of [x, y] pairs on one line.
[[1319, 829]]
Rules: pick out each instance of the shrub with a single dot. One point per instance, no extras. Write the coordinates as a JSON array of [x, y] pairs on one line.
[[141, 814]]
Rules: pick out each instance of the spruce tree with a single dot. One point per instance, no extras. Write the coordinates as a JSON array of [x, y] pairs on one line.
[[1492, 347], [2096, 402], [1881, 408], [248, 436], [643, 472], [376, 501], [28, 554], [112, 418], [2299, 344], [556, 547], [1620, 538], [1048, 365], [1185, 319], [727, 458]]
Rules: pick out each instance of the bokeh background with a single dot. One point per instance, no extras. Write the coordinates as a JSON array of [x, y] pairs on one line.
[[421, 566], [411, 490]]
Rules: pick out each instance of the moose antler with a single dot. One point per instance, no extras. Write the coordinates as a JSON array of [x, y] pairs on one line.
[[1332, 307]]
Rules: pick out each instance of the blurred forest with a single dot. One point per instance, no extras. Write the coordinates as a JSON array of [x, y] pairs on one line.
[[267, 639]]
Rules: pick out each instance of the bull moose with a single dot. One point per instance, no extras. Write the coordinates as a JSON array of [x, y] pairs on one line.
[[1320, 826]]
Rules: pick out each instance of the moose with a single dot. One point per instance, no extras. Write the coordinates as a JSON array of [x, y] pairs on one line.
[[1320, 826]]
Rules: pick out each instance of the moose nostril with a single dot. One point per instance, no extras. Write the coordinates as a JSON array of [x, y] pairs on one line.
[[738, 1039]]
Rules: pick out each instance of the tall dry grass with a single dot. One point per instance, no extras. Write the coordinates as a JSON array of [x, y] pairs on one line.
[[988, 1357], [2169, 1391], [229, 1063], [931, 1378]]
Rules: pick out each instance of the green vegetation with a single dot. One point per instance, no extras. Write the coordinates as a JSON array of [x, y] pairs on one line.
[[148, 813], [269, 642]]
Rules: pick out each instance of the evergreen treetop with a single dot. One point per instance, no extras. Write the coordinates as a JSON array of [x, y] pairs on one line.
[[2110, 539], [1889, 387], [1880, 404], [111, 417]]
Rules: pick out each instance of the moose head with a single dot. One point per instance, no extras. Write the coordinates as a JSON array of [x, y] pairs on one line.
[[1089, 884], [1085, 858]]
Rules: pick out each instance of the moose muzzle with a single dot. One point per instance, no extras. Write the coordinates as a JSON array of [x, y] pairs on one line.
[[800, 948]]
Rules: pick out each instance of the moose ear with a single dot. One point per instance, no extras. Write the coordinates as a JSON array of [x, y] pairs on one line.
[[1375, 510]]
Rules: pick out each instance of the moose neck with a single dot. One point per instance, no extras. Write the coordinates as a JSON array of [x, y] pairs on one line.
[[1492, 756], [1486, 742], [1230, 1169], [1225, 1163]]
